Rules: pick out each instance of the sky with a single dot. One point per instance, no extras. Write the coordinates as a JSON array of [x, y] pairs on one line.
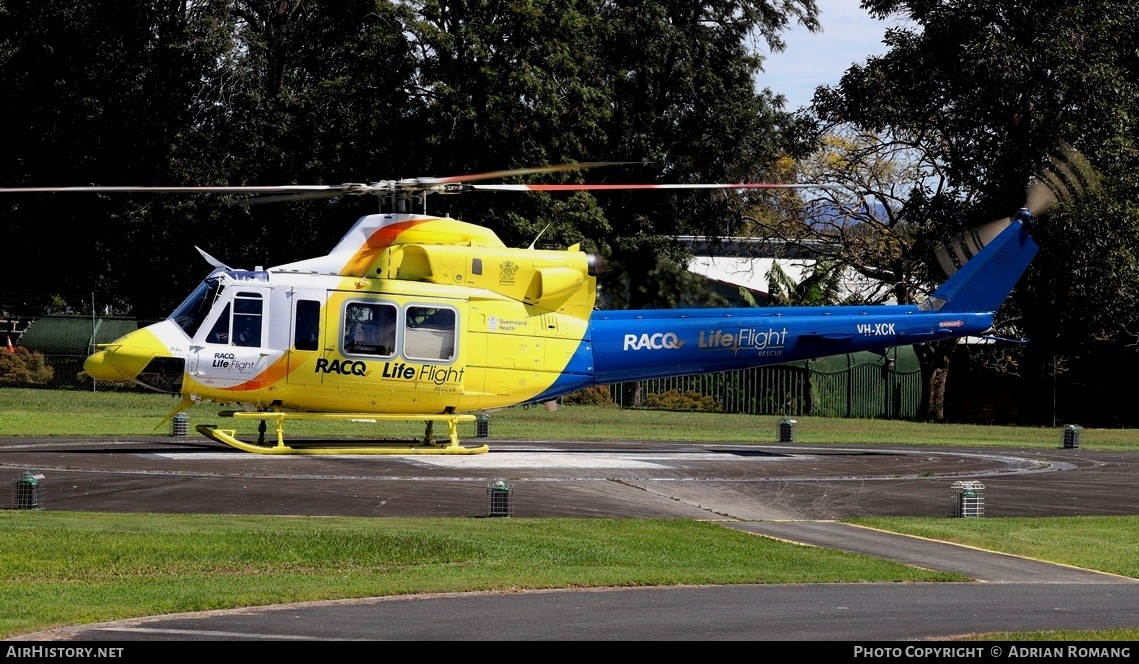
[[849, 35]]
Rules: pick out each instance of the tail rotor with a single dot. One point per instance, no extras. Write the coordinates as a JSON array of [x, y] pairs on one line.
[[1067, 176]]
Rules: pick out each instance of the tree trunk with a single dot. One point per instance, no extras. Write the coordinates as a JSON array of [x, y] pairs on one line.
[[631, 394], [937, 380]]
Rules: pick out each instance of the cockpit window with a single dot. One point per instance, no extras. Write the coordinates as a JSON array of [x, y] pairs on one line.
[[244, 327], [193, 311], [220, 333]]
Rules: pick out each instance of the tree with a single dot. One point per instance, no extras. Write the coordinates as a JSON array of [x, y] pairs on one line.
[[869, 215], [231, 92], [820, 286], [988, 92], [670, 83], [192, 93], [684, 98], [306, 93], [95, 93]]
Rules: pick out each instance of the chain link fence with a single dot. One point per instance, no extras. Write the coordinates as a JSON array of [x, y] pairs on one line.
[[864, 385], [49, 351]]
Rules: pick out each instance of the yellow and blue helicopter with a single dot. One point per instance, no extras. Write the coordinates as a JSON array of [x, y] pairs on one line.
[[419, 317]]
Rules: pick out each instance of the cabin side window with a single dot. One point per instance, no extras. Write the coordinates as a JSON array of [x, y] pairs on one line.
[[429, 334], [306, 325], [247, 319], [369, 329]]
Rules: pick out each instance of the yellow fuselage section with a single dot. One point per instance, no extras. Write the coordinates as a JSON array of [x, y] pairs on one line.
[[503, 353], [411, 315]]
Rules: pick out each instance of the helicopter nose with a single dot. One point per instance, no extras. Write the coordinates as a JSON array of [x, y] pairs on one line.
[[99, 367], [126, 357]]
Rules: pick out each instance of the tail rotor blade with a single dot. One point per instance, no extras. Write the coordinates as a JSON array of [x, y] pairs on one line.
[[1042, 195], [1068, 176]]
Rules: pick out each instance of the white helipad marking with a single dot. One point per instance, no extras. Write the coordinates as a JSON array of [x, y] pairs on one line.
[[534, 459], [582, 460]]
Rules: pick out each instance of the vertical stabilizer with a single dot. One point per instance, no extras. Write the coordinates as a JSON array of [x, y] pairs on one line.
[[983, 283], [961, 249]]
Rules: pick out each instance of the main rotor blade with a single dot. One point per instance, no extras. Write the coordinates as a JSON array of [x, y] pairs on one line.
[[618, 187], [288, 198], [557, 168], [447, 185], [305, 192], [280, 189]]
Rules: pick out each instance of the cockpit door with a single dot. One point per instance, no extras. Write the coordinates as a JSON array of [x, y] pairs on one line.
[[229, 349]]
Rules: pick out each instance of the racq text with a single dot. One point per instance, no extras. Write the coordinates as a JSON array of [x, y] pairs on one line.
[[1013, 651]]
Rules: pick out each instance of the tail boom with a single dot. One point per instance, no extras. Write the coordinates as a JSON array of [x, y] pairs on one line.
[[658, 344]]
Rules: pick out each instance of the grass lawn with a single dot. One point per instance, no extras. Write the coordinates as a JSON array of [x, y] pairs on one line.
[[77, 413], [67, 568]]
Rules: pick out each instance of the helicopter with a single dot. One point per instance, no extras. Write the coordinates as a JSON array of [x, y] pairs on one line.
[[416, 317]]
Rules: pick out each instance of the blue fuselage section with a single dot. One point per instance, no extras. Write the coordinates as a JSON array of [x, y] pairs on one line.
[[635, 345]]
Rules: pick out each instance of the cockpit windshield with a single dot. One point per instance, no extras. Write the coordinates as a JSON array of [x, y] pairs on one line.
[[194, 309]]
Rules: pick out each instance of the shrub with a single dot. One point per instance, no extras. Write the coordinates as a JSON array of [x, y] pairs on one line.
[[597, 395], [24, 367], [677, 400]]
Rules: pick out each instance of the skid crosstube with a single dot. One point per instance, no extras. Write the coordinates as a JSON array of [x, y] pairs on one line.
[[428, 446]]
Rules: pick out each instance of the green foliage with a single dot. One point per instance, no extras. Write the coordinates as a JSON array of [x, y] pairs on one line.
[[821, 286], [991, 91], [597, 395], [149, 92], [653, 274], [677, 400], [24, 367], [873, 219]]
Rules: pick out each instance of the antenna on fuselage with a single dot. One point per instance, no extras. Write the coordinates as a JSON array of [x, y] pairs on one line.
[[539, 235]]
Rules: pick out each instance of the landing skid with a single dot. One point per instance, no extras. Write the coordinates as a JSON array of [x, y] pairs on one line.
[[428, 446]]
